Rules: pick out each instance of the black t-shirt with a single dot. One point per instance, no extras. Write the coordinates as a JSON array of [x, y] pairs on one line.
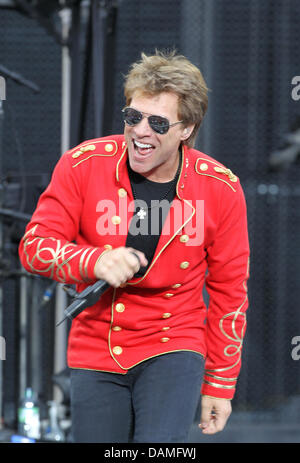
[[152, 202]]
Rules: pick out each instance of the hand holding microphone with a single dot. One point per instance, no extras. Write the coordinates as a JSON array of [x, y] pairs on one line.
[[114, 268], [119, 265]]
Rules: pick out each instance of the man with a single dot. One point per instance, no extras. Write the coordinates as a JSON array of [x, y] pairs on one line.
[[155, 219]]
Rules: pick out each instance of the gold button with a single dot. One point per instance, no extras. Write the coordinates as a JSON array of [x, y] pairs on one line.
[[117, 350], [203, 166], [184, 265], [116, 328], [116, 220], [177, 285], [122, 193], [166, 315], [165, 339], [109, 147], [182, 186], [108, 246], [120, 307], [76, 154], [184, 238], [169, 294], [165, 328]]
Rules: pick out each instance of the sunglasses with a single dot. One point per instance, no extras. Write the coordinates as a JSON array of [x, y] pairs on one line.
[[159, 124]]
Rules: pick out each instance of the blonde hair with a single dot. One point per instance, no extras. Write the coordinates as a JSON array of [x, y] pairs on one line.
[[168, 72]]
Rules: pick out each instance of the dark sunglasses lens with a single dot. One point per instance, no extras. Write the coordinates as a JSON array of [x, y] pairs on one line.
[[131, 116], [159, 124]]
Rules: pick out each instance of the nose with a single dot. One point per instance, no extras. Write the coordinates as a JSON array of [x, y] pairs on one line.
[[143, 128]]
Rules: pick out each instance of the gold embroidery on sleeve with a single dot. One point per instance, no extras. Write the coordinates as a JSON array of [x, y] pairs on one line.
[[81, 264], [58, 262], [221, 386], [234, 336], [86, 263], [221, 378]]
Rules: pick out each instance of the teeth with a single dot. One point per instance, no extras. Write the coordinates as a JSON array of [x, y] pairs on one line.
[[142, 145]]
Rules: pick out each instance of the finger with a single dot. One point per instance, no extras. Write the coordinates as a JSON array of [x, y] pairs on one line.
[[140, 256], [137, 256], [216, 424], [206, 416]]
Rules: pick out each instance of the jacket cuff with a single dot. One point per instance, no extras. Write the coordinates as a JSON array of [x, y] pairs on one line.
[[99, 254], [218, 386]]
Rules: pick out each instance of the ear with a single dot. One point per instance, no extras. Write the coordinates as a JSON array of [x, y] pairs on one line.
[[187, 131]]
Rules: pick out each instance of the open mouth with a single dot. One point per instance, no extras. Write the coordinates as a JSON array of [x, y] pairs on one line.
[[142, 148]]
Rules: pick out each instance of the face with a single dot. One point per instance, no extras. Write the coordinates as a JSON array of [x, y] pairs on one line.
[[153, 155]]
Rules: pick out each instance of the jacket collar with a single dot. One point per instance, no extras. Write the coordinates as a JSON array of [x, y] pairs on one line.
[[122, 174]]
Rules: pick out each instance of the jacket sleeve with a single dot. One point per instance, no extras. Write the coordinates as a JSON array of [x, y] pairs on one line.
[[226, 283], [48, 246]]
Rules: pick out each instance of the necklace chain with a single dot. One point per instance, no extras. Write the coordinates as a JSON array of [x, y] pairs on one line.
[[143, 211], [161, 199]]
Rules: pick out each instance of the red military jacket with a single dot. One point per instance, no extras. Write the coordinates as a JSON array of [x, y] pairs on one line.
[[86, 210]]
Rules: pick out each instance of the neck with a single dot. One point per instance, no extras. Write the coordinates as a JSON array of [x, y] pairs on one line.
[[164, 175]]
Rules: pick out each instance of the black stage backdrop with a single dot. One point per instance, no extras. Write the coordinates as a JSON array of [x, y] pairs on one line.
[[249, 54]]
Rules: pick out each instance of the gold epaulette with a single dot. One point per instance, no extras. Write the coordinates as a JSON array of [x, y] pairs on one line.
[[211, 168], [88, 150]]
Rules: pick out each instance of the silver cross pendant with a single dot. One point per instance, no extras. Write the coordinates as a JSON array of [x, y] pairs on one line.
[[142, 213]]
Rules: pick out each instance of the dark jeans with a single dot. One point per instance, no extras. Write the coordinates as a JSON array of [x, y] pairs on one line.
[[155, 401]]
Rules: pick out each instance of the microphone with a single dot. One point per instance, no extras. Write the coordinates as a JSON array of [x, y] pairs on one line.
[[88, 297]]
